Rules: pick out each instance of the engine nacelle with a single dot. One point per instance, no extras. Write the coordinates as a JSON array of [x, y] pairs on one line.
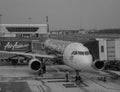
[[99, 65], [35, 64]]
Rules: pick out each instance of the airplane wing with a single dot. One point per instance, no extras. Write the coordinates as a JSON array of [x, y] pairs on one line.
[[27, 54]]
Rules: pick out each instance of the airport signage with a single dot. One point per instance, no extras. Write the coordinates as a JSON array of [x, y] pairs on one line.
[[15, 45]]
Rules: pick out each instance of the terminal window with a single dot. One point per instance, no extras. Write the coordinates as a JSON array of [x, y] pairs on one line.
[[22, 29], [102, 48]]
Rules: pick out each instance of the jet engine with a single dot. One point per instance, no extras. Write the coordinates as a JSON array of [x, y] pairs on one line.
[[99, 65], [35, 64]]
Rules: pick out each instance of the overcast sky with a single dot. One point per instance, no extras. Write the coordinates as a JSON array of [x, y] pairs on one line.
[[63, 14]]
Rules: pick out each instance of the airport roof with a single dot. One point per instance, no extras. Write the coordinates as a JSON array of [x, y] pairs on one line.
[[22, 25]]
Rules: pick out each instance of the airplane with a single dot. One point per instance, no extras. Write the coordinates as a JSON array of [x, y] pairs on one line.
[[74, 55]]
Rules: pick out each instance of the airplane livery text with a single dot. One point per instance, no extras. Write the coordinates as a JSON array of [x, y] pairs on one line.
[[15, 45]]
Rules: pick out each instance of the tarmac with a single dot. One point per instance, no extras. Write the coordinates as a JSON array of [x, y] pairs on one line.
[[20, 78]]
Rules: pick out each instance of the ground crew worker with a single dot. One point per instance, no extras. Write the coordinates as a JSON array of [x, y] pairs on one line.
[[66, 76], [40, 72], [44, 68], [78, 79], [104, 79]]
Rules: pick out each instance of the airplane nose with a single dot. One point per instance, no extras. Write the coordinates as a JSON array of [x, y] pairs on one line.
[[88, 60], [84, 62]]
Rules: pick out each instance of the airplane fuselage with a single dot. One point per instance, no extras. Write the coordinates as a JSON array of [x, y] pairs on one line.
[[75, 55]]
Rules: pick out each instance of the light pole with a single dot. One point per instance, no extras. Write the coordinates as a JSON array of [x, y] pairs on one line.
[[47, 24], [48, 31], [30, 20], [1, 18], [0, 22]]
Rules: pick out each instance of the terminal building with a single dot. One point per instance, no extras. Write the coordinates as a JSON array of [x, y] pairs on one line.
[[104, 48], [22, 30], [67, 32]]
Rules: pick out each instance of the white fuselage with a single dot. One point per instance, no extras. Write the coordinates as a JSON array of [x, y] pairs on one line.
[[75, 55]]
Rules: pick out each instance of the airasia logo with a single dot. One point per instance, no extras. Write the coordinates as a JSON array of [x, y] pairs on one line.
[[15, 45]]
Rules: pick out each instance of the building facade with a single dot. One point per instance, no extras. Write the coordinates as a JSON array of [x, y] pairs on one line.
[[109, 48], [67, 32], [22, 30]]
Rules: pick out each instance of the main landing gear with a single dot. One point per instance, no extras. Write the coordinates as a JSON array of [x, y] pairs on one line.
[[43, 68]]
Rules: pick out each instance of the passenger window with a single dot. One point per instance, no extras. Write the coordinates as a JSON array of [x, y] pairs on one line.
[[102, 48]]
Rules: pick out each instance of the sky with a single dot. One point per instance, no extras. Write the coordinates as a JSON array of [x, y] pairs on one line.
[[63, 14]]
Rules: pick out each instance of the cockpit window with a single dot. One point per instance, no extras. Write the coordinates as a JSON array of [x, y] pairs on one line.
[[87, 53], [75, 53], [80, 53]]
